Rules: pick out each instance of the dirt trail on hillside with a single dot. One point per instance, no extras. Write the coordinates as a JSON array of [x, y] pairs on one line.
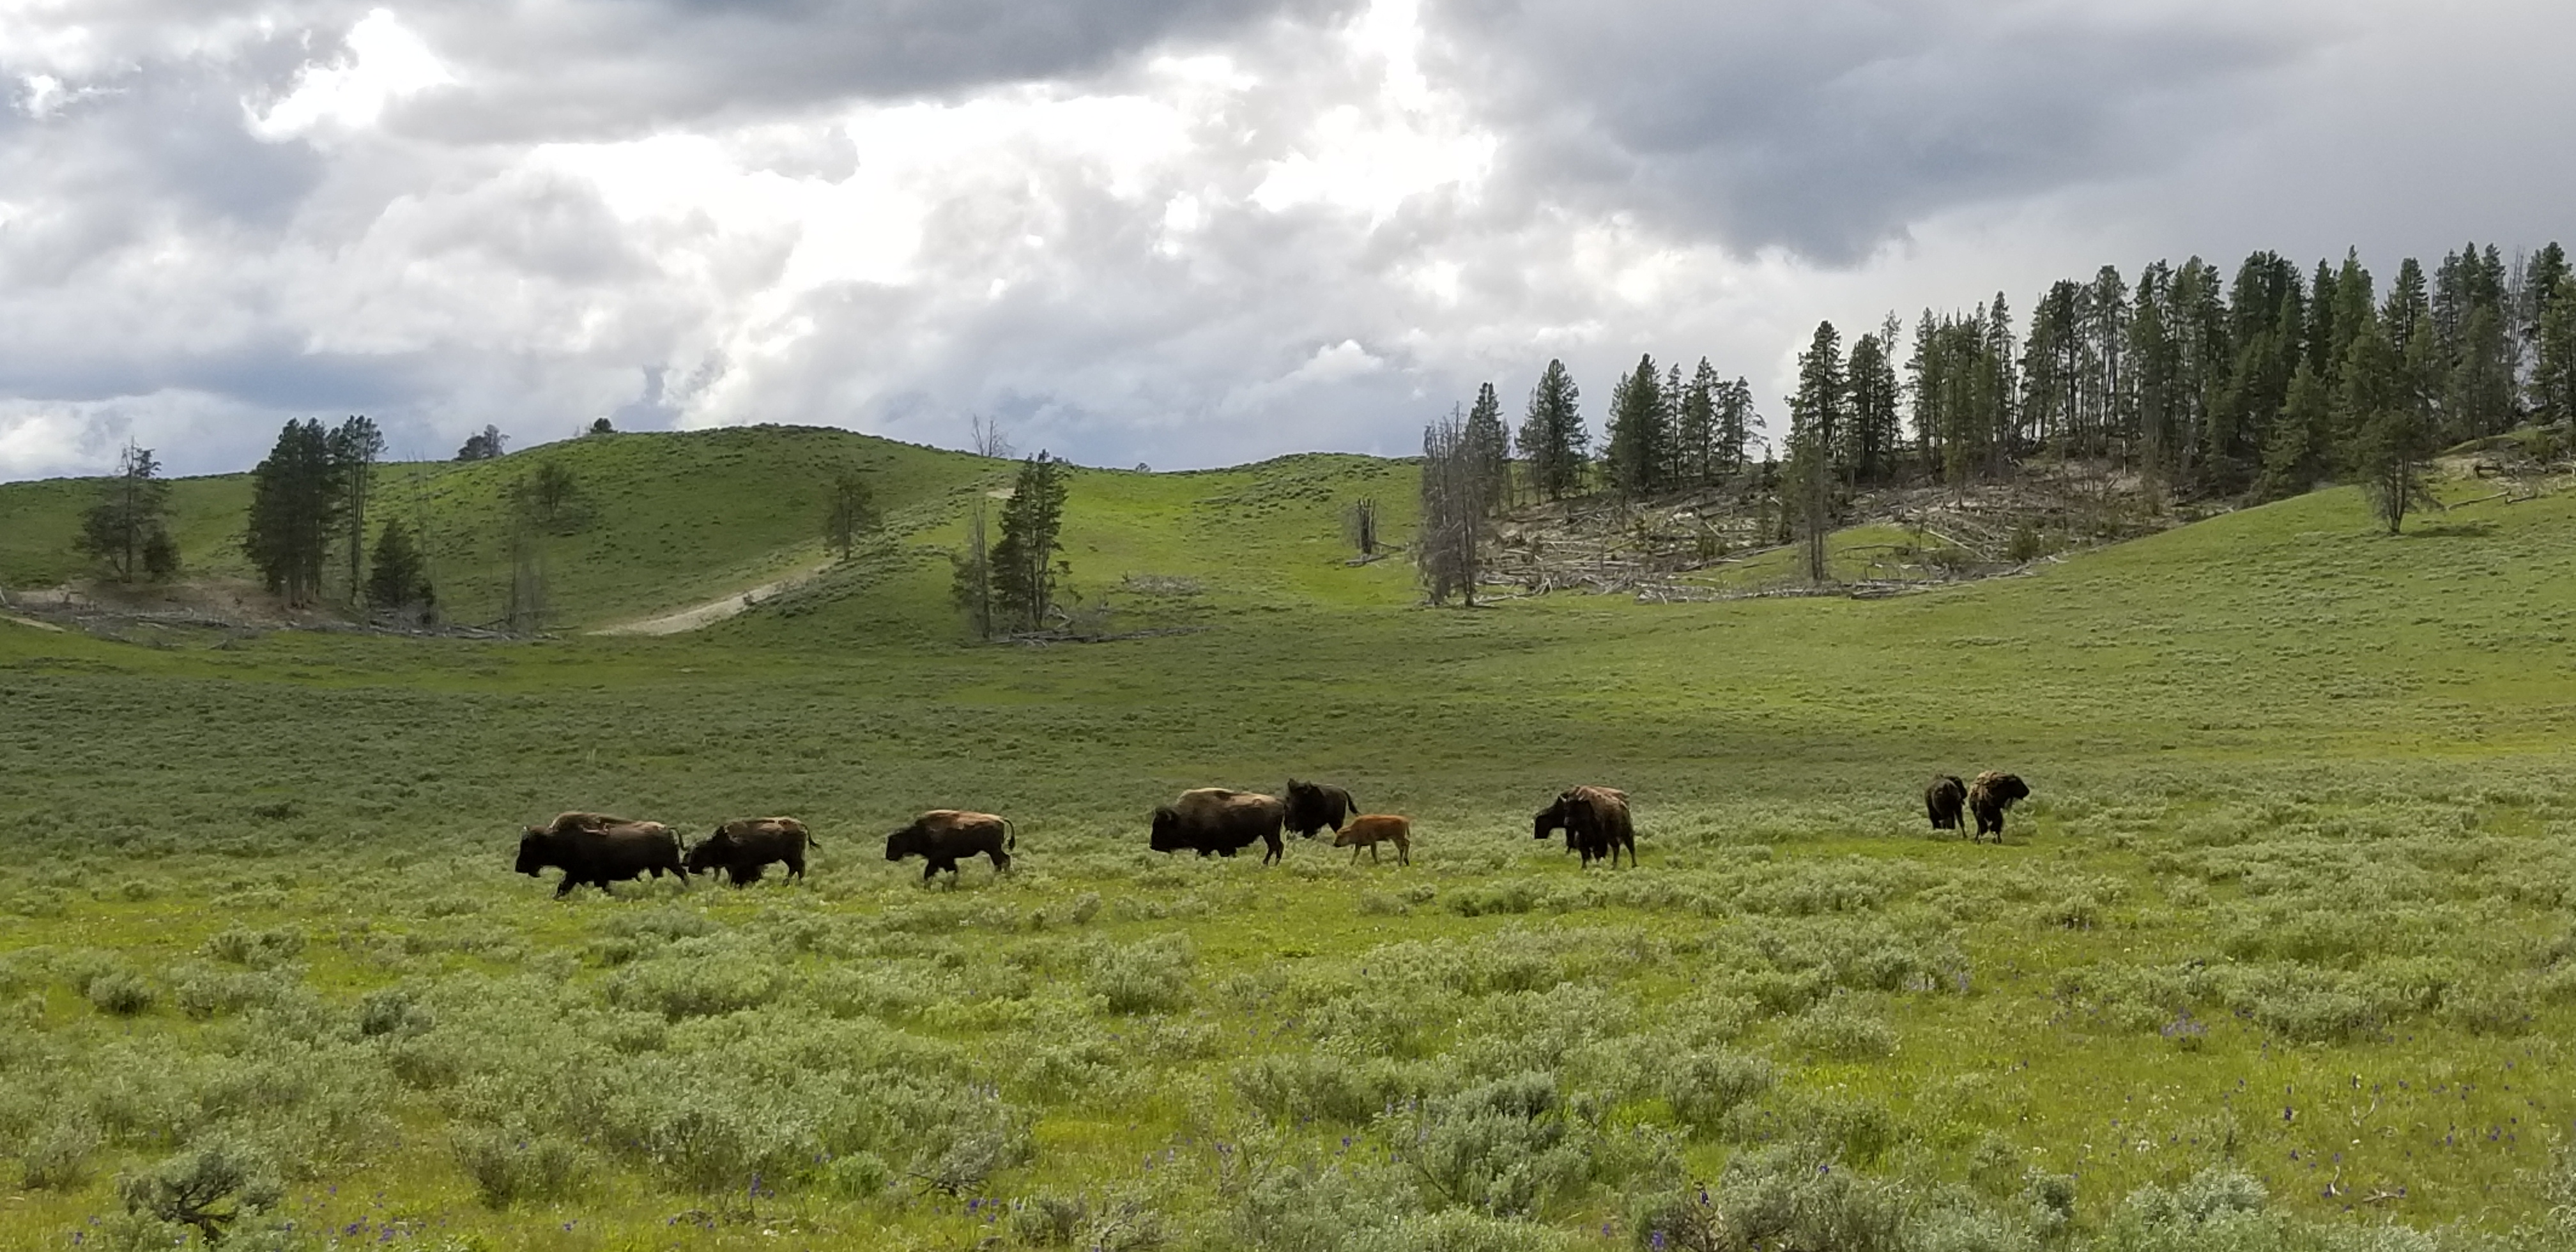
[[713, 611]]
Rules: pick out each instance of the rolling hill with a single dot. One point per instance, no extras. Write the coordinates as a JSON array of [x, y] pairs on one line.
[[2279, 955]]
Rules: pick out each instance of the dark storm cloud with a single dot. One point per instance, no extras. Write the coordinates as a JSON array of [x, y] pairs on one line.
[[1826, 126], [592, 69]]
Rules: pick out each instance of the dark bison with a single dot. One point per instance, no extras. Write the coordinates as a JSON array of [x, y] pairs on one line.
[[1942, 800], [1318, 806], [1989, 796], [944, 837], [1595, 821], [1368, 831], [1213, 819], [742, 847], [596, 848]]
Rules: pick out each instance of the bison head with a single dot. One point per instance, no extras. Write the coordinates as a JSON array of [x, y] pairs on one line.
[[708, 853], [2008, 788], [533, 851], [1550, 818], [1167, 830], [912, 840]]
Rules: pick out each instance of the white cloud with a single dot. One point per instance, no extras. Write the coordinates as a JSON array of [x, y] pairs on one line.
[[385, 62]]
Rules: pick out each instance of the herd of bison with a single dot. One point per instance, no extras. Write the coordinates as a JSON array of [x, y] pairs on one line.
[[599, 849]]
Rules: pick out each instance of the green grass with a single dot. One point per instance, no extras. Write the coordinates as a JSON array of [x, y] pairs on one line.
[[2291, 901]]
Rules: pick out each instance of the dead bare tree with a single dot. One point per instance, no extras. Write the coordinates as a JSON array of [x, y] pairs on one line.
[[988, 437], [1454, 487], [1359, 524]]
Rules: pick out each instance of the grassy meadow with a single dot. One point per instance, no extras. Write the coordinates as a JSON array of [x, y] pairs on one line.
[[2279, 956]]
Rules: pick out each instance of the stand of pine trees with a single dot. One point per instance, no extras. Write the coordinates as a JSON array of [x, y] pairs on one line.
[[307, 497]]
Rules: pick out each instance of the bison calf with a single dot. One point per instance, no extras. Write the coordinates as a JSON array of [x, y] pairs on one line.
[[741, 847], [594, 848], [1368, 830], [1943, 800], [943, 837], [1989, 796]]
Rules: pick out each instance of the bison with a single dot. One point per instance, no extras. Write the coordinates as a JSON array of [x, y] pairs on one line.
[[1367, 831], [1316, 806], [741, 847], [943, 837], [1595, 821], [1942, 800], [1989, 796], [1213, 819], [596, 848]]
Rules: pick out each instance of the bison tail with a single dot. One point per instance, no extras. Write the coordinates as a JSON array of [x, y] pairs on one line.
[[1010, 836]]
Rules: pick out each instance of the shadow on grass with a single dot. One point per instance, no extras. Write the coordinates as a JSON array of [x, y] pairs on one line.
[[2450, 530]]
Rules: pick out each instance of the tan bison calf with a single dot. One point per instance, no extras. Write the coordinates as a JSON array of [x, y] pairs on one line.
[[1367, 830]]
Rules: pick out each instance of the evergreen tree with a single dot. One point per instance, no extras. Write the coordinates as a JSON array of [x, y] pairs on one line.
[[1637, 431], [850, 512], [1489, 447], [2477, 396], [354, 449], [398, 576], [971, 582], [1697, 458], [2109, 416], [1023, 560], [2553, 376], [2382, 401], [294, 507], [2155, 368], [1815, 413], [1738, 426], [484, 445], [1991, 393], [129, 527], [1551, 435], [1874, 431], [2295, 456], [2407, 305]]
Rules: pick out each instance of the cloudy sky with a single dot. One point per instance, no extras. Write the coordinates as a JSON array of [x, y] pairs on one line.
[[1181, 232]]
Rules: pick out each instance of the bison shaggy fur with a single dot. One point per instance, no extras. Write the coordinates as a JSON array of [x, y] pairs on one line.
[[1943, 800], [1213, 819], [1989, 796], [593, 848], [1595, 820], [742, 847], [1318, 806], [943, 837], [1368, 830]]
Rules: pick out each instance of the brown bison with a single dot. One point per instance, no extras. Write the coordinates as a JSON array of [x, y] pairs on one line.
[[1595, 820], [1317, 806], [742, 847], [1213, 819], [943, 837], [1942, 800], [596, 848], [1989, 796], [1367, 831]]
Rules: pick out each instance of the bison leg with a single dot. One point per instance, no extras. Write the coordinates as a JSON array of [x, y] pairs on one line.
[[565, 887], [1277, 849], [795, 865], [1404, 852], [1001, 860], [1373, 856]]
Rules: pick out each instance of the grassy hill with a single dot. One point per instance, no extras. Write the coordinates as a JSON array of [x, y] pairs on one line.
[[2279, 954]]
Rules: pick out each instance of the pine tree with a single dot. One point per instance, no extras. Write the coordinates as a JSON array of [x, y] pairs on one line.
[[971, 582], [1023, 559], [1637, 434], [2553, 376], [129, 527], [294, 506], [1815, 413], [1551, 435], [1697, 458], [484, 445], [1874, 431], [2382, 401], [1489, 447], [850, 512], [355, 447], [2295, 456], [398, 577], [1738, 426]]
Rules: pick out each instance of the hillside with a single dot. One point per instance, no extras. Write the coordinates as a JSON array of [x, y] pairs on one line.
[[2289, 905]]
